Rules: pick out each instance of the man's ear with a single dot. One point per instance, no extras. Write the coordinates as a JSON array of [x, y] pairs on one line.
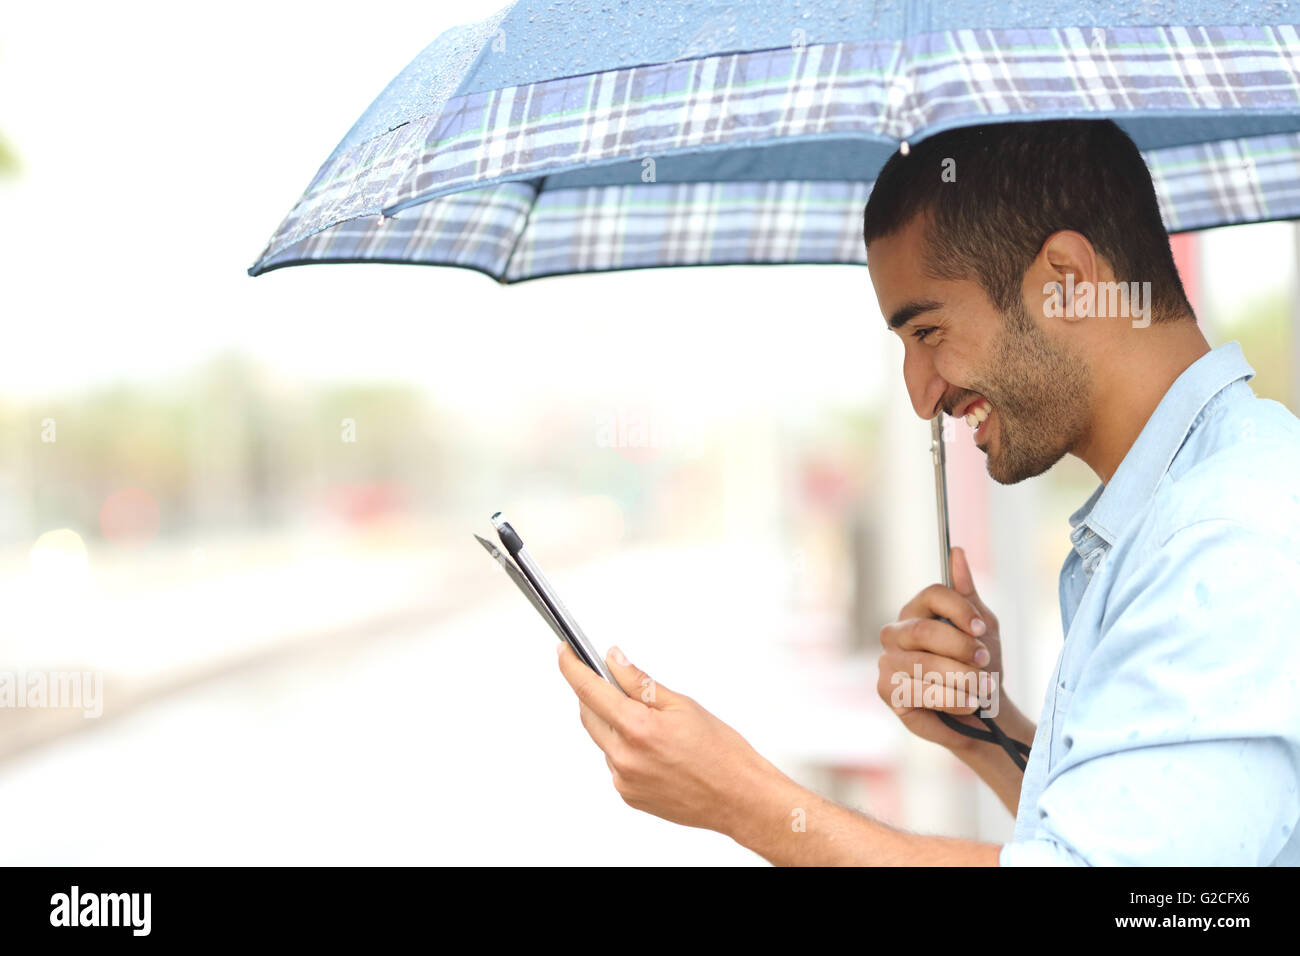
[[1062, 280]]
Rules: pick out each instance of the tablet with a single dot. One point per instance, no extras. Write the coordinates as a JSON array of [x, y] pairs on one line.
[[528, 577]]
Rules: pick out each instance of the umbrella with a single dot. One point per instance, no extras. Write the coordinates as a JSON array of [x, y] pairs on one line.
[[556, 138], [567, 138]]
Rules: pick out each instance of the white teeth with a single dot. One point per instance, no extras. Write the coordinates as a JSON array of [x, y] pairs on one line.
[[978, 413]]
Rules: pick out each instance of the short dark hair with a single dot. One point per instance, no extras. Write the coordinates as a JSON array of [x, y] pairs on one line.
[[1010, 186]]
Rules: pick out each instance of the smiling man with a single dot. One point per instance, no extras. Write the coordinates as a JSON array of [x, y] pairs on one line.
[[1027, 270]]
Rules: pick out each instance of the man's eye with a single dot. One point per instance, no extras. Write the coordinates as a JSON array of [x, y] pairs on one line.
[[920, 334]]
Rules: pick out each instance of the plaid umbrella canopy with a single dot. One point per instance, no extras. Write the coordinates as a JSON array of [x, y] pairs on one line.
[[555, 138]]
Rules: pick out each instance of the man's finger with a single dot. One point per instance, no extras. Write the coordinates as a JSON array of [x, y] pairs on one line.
[[915, 694], [937, 669], [592, 689], [939, 601], [933, 635], [597, 728]]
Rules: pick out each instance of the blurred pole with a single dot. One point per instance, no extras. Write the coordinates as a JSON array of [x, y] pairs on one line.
[[1186, 247], [1294, 371], [751, 474], [20, 449]]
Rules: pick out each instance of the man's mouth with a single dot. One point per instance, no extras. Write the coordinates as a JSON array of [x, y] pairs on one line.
[[977, 415]]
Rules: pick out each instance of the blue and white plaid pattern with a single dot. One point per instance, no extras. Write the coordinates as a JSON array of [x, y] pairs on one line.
[[461, 186]]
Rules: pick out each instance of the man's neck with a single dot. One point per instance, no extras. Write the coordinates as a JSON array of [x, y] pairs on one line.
[[1132, 372]]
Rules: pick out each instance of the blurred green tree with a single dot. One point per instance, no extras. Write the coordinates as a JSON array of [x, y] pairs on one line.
[[9, 164]]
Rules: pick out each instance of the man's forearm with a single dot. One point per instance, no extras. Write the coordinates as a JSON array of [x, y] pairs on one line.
[[789, 825]]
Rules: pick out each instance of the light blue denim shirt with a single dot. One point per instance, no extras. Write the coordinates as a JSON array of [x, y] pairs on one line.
[[1170, 734]]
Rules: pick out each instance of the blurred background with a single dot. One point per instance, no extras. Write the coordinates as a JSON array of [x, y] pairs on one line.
[[247, 505]]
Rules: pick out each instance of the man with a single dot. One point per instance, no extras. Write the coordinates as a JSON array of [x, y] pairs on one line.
[[1027, 270]]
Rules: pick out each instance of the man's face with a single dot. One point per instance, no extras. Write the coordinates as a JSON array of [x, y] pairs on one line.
[[959, 348]]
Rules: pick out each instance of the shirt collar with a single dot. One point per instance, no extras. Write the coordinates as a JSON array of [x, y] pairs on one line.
[[1111, 507]]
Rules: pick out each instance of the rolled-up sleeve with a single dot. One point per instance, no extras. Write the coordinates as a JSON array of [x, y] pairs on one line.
[[1180, 742]]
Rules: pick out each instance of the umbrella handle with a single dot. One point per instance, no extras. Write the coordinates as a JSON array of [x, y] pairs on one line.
[[993, 734]]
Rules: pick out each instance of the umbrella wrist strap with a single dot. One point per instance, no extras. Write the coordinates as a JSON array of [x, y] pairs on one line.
[[994, 735]]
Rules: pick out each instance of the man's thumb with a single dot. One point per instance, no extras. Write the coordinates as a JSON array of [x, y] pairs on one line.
[[962, 580], [638, 684]]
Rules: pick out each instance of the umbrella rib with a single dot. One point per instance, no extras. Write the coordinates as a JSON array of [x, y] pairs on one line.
[[541, 183]]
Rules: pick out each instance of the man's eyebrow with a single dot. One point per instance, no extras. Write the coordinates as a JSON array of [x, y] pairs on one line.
[[911, 311]]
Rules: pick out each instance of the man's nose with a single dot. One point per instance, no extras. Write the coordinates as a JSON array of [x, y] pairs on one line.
[[925, 386]]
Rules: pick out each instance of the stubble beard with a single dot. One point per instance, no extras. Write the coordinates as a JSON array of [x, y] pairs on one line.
[[1041, 397]]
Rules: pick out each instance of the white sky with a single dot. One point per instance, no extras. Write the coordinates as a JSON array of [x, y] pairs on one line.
[[163, 144], [162, 148]]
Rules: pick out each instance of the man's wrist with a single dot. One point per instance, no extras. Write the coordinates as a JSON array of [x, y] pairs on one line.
[[766, 806]]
